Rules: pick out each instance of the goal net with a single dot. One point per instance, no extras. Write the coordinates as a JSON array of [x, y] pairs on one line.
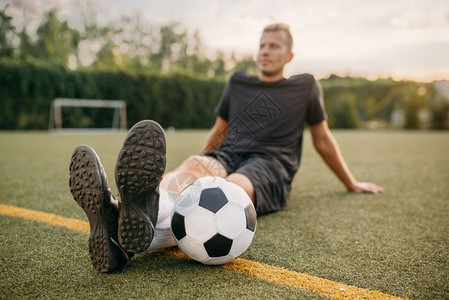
[[87, 114]]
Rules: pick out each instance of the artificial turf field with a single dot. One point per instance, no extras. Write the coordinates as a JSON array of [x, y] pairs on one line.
[[396, 243]]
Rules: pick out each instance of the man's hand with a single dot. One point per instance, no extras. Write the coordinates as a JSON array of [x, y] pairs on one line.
[[365, 187]]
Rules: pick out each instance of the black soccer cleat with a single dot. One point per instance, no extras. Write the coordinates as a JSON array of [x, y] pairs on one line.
[[138, 172], [89, 187]]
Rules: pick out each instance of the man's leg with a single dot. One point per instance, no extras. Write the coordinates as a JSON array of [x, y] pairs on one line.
[[194, 167], [145, 204], [244, 182], [268, 183], [146, 200], [163, 237], [89, 187], [138, 172], [198, 166]]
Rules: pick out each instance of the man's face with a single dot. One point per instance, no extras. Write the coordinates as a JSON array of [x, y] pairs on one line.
[[273, 54]]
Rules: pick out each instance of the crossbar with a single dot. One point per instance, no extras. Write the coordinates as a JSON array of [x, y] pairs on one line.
[[55, 120]]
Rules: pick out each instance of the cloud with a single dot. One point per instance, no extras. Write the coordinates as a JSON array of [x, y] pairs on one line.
[[375, 37], [33, 8]]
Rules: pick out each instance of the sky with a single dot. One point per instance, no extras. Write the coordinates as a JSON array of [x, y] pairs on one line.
[[402, 39]]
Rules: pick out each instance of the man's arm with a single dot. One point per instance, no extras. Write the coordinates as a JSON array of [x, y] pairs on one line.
[[327, 147], [216, 135]]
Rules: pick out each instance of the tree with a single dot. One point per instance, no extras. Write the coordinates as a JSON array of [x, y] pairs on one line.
[[26, 46], [133, 41], [140, 42], [106, 58], [168, 39], [414, 103], [440, 113], [246, 64], [343, 112], [7, 33], [219, 65], [56, 40]]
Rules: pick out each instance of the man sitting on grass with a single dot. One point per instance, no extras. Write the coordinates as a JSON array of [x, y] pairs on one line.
[[256, 143]]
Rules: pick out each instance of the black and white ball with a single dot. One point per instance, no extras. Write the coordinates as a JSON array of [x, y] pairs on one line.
[[213, 221]]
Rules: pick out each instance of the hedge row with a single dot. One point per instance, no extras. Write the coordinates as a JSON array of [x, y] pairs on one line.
[[26, 92]]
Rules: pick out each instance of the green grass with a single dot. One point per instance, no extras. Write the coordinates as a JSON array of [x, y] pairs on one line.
[[396, 242]]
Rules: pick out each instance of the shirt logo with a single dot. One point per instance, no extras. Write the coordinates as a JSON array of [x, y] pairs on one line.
[[263, 110], [238, 135]]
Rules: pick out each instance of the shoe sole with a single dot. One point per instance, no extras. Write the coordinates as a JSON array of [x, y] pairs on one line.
[[88, 190], [138, 172]]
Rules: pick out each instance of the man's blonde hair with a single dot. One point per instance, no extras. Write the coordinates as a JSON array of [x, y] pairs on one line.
[[281, 27]]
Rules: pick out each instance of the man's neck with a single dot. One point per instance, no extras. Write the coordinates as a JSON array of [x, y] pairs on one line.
[[271, 78]]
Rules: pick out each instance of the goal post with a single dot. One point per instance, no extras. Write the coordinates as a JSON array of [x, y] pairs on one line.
[[118, 120]]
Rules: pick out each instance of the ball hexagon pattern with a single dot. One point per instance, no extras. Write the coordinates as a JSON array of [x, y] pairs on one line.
[[213, 221]]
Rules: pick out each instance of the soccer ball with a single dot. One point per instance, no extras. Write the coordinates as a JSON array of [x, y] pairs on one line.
[[213, 221]]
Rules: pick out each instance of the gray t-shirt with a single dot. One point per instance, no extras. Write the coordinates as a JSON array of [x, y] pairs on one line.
[[268, 118]]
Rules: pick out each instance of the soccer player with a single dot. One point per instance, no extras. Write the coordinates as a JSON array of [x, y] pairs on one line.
[[256, 143]]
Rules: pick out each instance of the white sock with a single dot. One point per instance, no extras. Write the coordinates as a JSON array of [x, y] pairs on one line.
[[162, 234]]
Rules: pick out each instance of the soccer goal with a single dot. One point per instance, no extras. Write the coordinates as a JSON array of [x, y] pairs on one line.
[[56, 122]]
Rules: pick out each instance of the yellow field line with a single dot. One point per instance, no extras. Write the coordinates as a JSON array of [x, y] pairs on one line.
[[52, 219], [262, 271]]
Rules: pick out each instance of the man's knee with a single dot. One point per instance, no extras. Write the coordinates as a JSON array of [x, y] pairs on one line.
[[245, 183], [192, 162], [201, 166]]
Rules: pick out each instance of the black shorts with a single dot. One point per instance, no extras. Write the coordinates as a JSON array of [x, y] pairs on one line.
[[271, 181]]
